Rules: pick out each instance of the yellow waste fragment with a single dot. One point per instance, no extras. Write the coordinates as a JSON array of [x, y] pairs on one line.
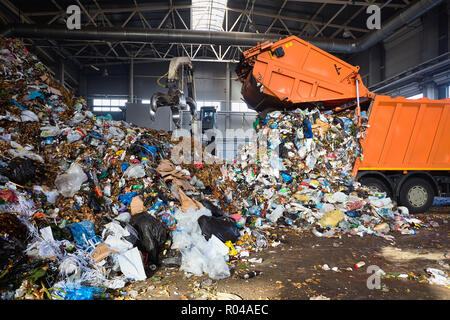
[[331, 218]]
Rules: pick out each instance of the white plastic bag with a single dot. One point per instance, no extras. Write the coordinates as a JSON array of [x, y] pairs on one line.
[[339, 197], [116, 133], [47, 234], [50, 131], [115, 237], [51, 195], [69, 183], [78, 117], [135, 171], [124, 217], [198, 255], [89, 114], [438, 277], [24, 152], [275, 214], [73, 136], [131, 265], [28, 115], [118, 244]]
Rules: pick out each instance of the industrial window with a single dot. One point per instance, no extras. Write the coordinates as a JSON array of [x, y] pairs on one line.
[[417, 96], [118, 102], [240, 107], [107, 109], [108, 105], [208, 14]]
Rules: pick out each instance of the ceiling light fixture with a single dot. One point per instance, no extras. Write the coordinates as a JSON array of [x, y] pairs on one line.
[[208, 14]]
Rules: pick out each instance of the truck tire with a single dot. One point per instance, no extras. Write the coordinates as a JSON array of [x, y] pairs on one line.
[[417, 195], [375, 184]]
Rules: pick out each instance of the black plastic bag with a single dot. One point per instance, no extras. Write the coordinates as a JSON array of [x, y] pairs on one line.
[[152, 235], [94, 204], [216, 212], [20, 170], [207, 190], [223, 228], [133, 238]]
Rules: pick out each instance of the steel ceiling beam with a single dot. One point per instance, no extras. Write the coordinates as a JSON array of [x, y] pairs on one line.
[[219, 38], [357, 13], [28, 20], [350, 2], [181, 7]]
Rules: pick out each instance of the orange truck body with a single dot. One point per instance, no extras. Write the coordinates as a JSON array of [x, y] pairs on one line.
[[403, 134], [406, 135], [303, 74], [406, 148]]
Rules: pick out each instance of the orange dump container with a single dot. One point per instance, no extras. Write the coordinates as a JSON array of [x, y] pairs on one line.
[[292, 71], [406, 135]]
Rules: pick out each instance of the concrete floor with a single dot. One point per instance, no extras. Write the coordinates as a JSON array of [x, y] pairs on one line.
[[293, 270]]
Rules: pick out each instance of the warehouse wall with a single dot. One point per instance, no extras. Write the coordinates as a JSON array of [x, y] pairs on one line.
[[211, 81]]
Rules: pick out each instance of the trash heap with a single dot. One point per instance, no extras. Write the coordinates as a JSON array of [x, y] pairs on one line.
[[89, 204], [302, 177]]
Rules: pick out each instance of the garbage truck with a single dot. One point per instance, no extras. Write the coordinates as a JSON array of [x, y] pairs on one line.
[[406, 145]]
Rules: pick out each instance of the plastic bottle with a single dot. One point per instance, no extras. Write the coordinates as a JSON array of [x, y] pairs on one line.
[[316, 233], [107, 190], [93, 177], [261, 240], [289, 221]]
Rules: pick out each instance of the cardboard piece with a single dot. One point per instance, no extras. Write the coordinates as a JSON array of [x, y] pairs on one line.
[[137, 205], [187, 202], [320, 127], [101, 252], [168, 172], [54, 91]]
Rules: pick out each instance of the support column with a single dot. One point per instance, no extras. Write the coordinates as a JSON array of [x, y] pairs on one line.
[[60, 72], [430, 90], [382, 61], [82, 84], [228, 88], [228, 109], [228, 102], [131, 81], [442, 92]]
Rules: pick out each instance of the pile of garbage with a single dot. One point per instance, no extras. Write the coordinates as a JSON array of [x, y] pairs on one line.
[[89, 204], [302, 177]]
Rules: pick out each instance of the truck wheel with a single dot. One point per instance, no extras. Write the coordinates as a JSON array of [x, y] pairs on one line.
[[417, 195], [375, 185]]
